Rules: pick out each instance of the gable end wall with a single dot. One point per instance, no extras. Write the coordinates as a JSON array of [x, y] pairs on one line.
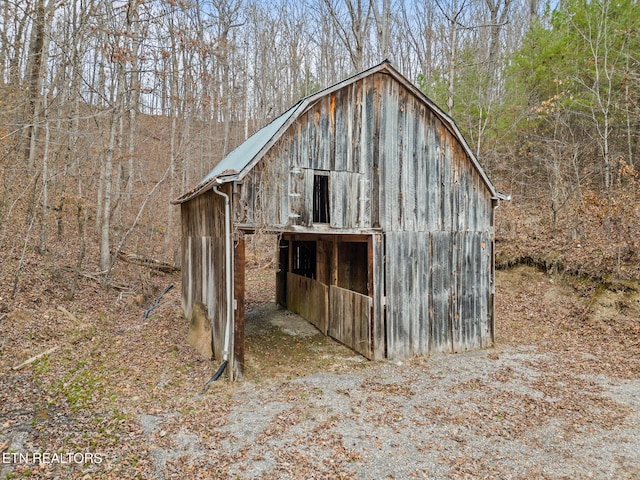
[[393, 164]]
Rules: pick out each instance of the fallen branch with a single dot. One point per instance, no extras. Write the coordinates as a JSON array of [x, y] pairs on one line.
[[68, 314], [132, 258], [35, 357], [81, 326], [98, 277]]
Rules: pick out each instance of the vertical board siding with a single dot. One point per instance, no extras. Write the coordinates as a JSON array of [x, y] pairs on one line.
[[308, 298], [378, 334], [340, 138], [421, 153], [354, 132], [440, 291], [350, 319], [408, 301], [466, 309], [487, 290], [203, 262], [399, 291], [346, 190], [438, 278], [445, 184], [336, 134], [421, 292], [414, 174], [187, 277], [374, 112], [391, 162], [428, 181], [236, 363]]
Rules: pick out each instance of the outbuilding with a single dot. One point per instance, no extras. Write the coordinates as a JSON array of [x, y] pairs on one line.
[[384, 220]]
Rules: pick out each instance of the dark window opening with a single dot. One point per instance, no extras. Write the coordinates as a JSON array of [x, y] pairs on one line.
[[353, 266], [321, 199], [281, 275], [304, 259]]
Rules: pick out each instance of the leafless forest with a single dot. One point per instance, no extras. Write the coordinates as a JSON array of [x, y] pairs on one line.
[[110, 109]]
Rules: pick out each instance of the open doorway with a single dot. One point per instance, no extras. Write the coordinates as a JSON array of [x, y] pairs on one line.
[[327, 280], [277, 340]]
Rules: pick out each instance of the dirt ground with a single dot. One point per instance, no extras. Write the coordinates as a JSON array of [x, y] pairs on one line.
[[558, 397]]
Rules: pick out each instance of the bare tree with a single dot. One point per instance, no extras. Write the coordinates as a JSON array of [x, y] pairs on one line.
[[499, 14], [419, 29], [13, 32], [134, 32], [352, 27], [37, 53], [454, 24], [597, 37], [382, 17], [227, 16]]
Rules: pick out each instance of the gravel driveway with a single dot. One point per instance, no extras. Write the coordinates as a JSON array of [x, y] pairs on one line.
[[509, 412]]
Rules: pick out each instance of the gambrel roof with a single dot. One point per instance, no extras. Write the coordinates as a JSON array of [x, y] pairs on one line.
[[240, 161]]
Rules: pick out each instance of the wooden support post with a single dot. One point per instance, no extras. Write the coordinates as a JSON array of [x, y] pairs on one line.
[[378, 324], [239, 289], [290, 239], [334, 260]]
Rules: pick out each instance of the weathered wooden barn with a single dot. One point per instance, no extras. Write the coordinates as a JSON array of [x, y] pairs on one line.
[[384, 218]]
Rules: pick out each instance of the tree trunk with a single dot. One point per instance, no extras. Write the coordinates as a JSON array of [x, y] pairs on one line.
[[35, 78], [105, 228], [42, 246]]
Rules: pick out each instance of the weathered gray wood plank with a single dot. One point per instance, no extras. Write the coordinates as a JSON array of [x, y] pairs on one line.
[[441, 286], [308, 298], [408, 300], [350, 319], [378, 320]]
